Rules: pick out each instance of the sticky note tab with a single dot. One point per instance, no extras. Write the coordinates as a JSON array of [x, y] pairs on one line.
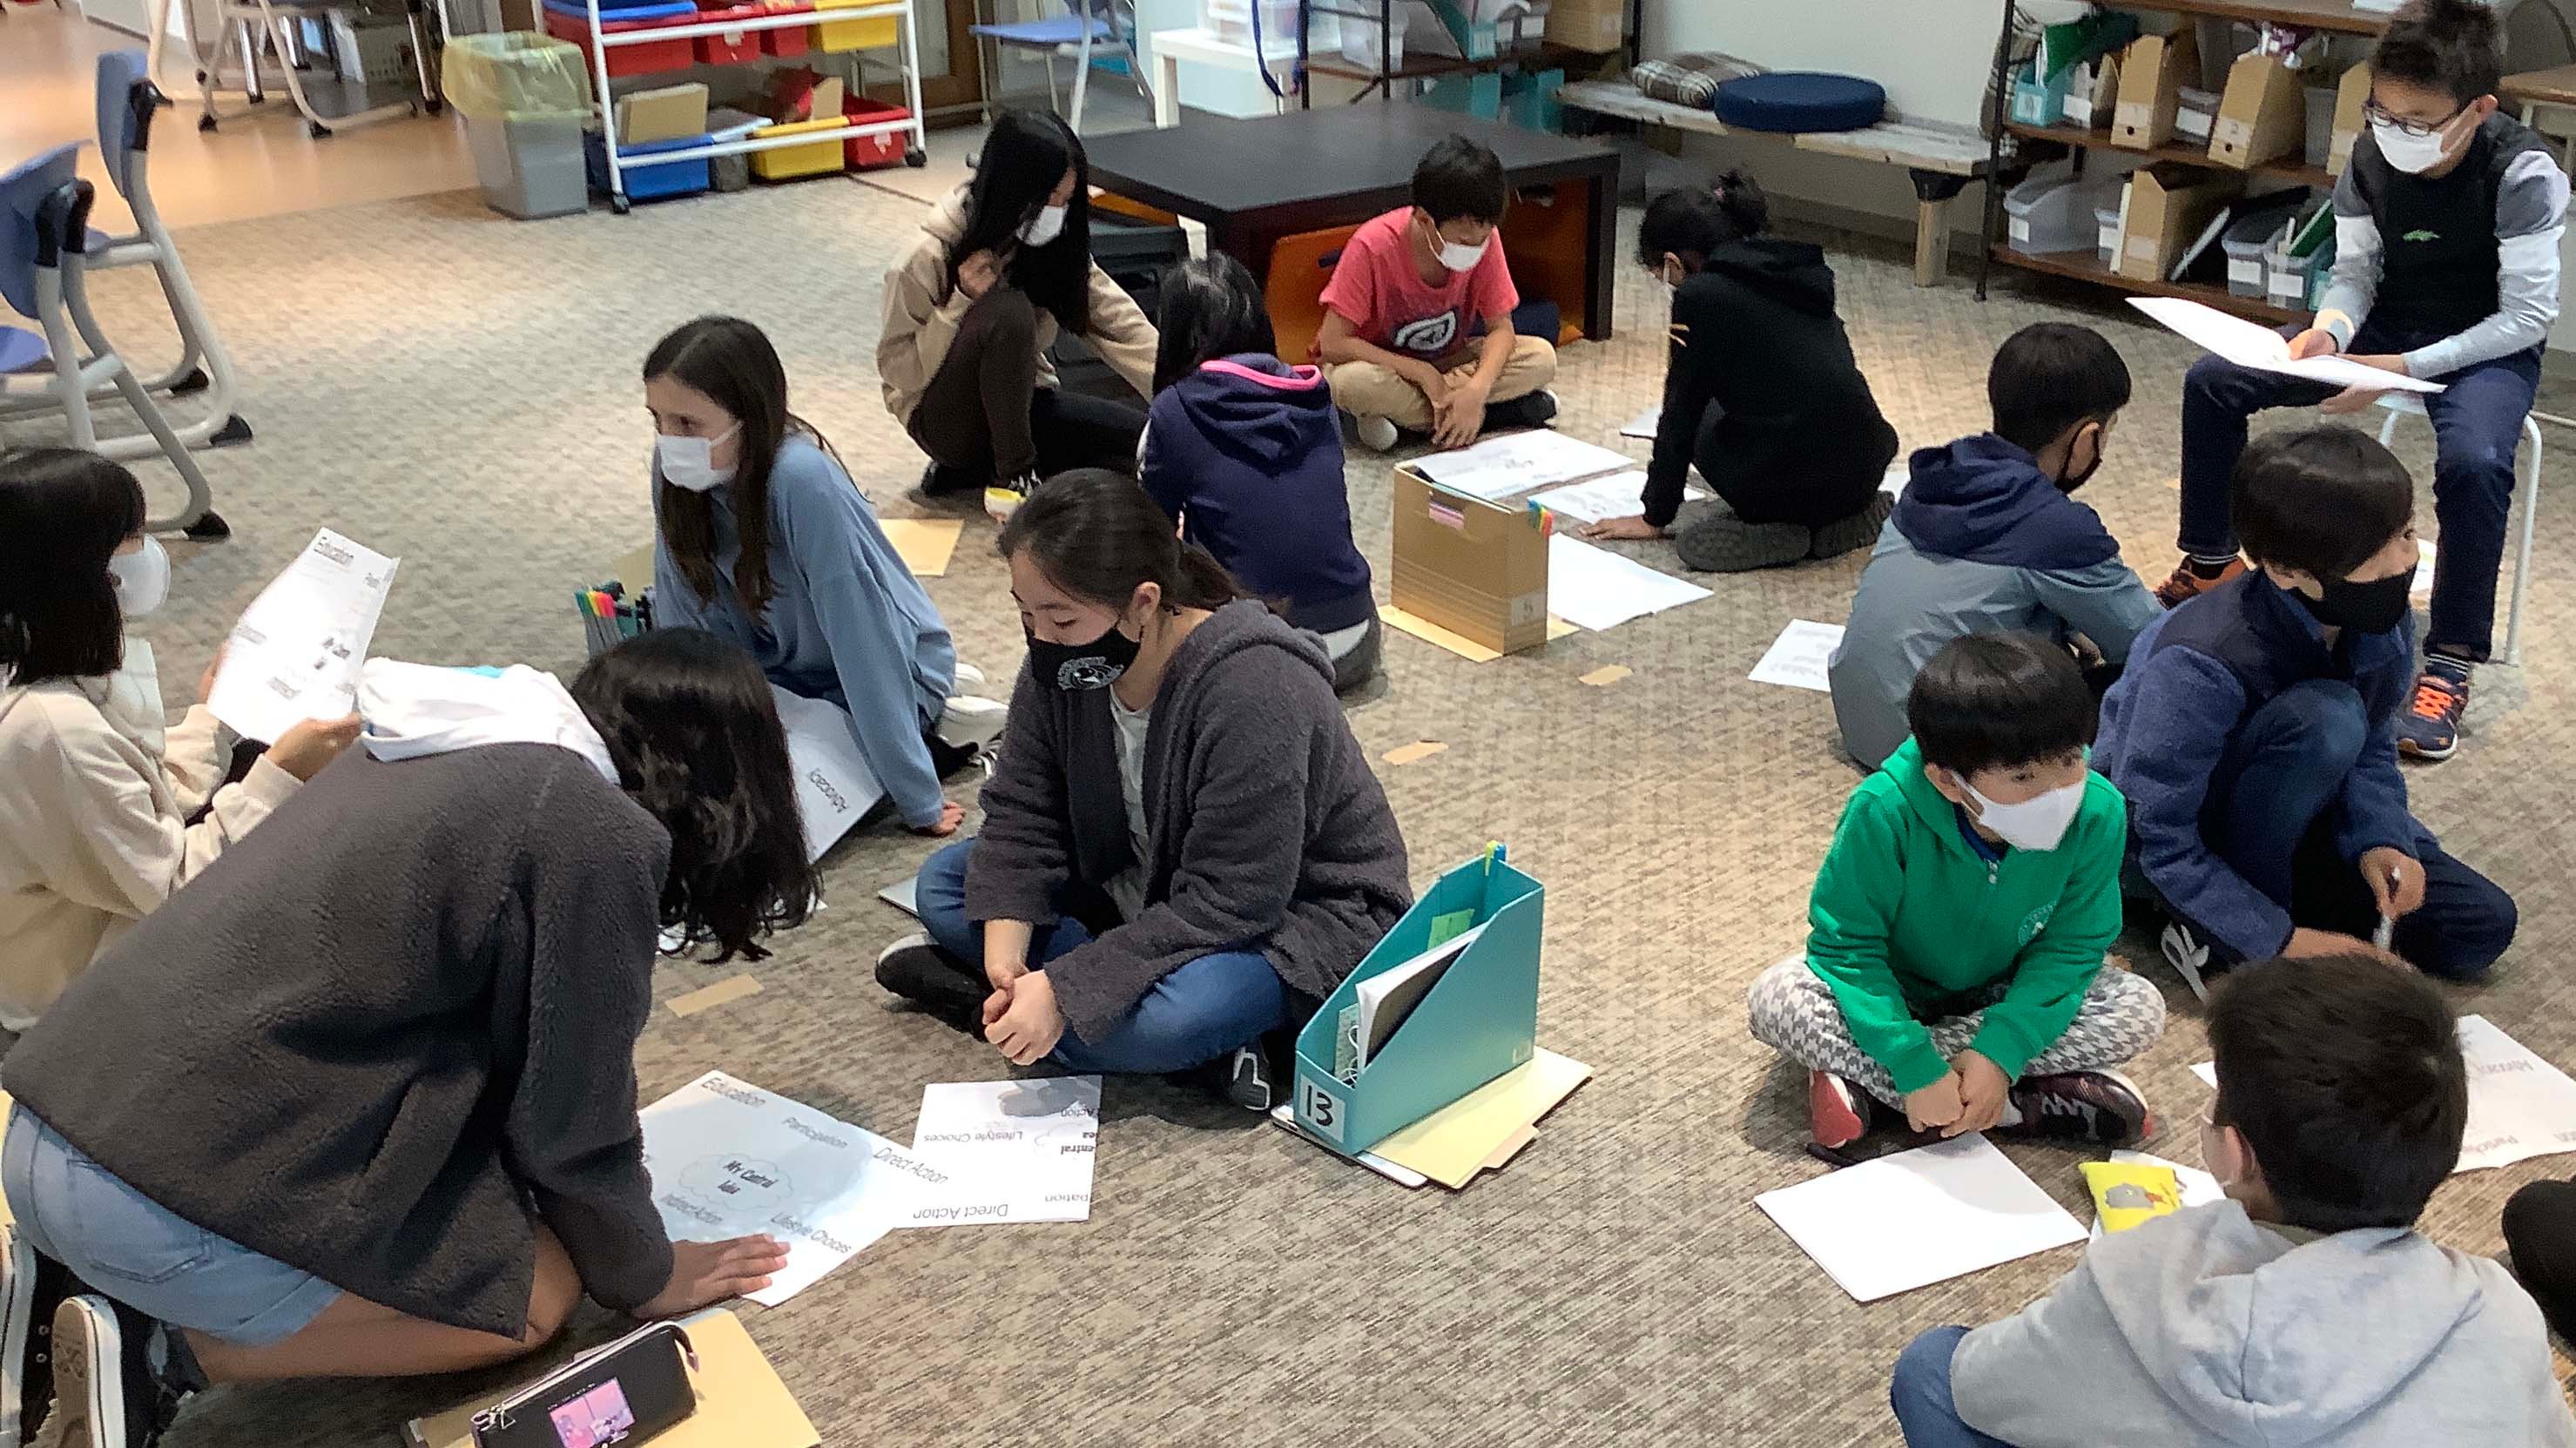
[[1605, 676], [731, 989], [1445, 928], [1413, 753]]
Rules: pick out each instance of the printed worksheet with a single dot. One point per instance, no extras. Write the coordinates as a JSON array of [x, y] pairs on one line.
[[1014, 1151], [2520, 1106], [1621, 495], [1797, 658], [1515, 462], [729, 1159], [2251, 344], [294, 655], [834, 785], [1595, 588]]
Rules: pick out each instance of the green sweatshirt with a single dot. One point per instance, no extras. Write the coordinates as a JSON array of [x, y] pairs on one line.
[[1906, 915]]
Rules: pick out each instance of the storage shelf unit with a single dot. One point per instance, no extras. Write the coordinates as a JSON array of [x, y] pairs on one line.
[[2336, 17], [1382, 78], [602, 40]]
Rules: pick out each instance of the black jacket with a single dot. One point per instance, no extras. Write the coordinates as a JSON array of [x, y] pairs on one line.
[[1754, 332]]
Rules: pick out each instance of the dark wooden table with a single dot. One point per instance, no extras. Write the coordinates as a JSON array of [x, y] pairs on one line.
[[1256, 180]]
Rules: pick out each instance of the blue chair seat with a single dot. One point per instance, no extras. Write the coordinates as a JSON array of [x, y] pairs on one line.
[[1058, 30], [1801, 101], [22, 350]]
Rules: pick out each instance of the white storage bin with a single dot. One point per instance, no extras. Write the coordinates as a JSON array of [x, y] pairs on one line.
[[370, 49], [2051, 212], [2285, 278], [1230, 21], [1363, 44], [2106, 233], [2197, 114]]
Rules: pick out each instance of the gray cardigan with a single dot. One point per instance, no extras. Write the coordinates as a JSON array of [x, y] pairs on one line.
[[388, 1033], [1267, 828]]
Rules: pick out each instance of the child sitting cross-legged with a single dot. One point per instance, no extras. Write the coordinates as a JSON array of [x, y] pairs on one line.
[[1954, 964]]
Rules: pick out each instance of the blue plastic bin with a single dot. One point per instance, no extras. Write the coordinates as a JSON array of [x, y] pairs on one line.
[[648, 181]]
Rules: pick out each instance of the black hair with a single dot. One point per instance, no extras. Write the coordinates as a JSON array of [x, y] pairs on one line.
[[732, 362], [1025, 156], [1459, 178], [63, 514], [690, 722], [2319, 499], [1097, 534], [1208, 309], [2444, 45], [1999, 701], [2050, 377], [2343, 1074], [1691, 224]]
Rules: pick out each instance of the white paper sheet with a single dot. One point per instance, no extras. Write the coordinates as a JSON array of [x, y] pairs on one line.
[[2199, 1188], [1014, 1151], [900, 895], [1621, 495], [729, 1159], [2520, 1106], [2250, 344], [1595, 588], [1515, 462], [1644, 423], [295, 653], [834, 785], [1919, 1217], [1797, 658], [2423, 585]]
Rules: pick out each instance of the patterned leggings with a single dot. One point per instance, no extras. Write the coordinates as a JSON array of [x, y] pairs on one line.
[[1795, 1013]]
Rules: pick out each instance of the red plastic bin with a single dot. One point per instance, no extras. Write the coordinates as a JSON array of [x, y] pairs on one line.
[[867, 153], [734, 47], [649, 58], [790, 41]]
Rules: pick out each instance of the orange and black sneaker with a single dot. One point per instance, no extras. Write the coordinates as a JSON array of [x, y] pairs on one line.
[[2430, 727], [1838, 1112], [2191, 578]]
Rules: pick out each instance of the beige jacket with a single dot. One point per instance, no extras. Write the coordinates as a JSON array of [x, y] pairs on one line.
[[93, 798], [922, 313]]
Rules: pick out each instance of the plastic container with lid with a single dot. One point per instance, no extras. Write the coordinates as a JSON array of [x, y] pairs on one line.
[[572, 22], [867, 153], [524, 98], [2197, 114], [2106, 232], [646, 179], [2051, 212]]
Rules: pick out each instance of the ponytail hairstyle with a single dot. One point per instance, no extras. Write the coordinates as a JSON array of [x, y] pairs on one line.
[[63, 513], [1692, 224], [1098, 535], [1209, 309], [689, 720], [1025, 155]]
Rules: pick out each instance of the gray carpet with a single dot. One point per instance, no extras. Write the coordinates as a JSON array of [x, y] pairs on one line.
[[461, 390]]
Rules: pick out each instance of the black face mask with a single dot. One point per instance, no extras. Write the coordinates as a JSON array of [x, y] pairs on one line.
[[2371, 608], [1095, 665], [2068, 485]]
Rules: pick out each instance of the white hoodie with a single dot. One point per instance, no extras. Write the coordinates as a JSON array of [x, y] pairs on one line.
[[2205, 1328], [413, 710]]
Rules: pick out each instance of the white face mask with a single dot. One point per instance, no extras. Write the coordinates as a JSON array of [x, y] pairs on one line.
[[2037, 823], [1457, 256], [1044, 227], [2413, 155], [142, 578], [688, 462]]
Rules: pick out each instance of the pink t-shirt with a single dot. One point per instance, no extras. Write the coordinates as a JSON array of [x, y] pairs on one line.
[[1380, 292]]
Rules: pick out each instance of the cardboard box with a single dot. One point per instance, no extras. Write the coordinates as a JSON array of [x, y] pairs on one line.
[[2350, 97], [2262, 116], [2153, 71], [1477, 569], [1591, 26], [2168, 207], [664, 114]]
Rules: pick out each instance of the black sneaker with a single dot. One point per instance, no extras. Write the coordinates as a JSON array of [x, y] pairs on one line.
[[938, 481], [1535, 409], [32, 1286], [107, 1394], [2101, 1108], [1244, 1076], [928, 976]]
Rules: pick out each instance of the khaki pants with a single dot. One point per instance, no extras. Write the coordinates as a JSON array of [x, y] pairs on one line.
[[1365, 389]]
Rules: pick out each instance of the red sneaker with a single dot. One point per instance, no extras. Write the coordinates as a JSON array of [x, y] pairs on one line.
[[2187, 582], [1837, 1111]]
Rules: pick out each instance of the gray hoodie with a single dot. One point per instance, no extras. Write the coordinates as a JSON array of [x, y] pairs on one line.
[[2205, 1328]]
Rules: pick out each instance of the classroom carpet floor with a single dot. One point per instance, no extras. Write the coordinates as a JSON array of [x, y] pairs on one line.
[[460, 390]]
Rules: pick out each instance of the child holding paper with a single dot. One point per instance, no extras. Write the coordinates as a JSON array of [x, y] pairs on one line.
[[1954, 966], [1183, 848], [760, 536], [2304, 1309], [2255, 734], [2447, 224], [105, 806], [1399, 341]]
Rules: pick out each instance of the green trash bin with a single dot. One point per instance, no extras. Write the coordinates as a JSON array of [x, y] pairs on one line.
[[525, 99]]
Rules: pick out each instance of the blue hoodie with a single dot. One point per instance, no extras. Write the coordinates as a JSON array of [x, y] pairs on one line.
[[1982, 541], [1246, 454]]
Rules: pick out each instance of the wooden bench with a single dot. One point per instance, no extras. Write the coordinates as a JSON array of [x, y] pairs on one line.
[[2536, 88], [1941, 159]]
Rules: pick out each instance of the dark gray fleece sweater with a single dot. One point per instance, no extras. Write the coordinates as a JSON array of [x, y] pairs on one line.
[[388, 1033], [1268, 830]]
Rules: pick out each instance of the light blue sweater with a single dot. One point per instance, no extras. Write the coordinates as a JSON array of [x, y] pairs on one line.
[[846, 621]]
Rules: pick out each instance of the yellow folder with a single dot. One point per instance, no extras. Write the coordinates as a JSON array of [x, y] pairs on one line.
[[1487, 1126]]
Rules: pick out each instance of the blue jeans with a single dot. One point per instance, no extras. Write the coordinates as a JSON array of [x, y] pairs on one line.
[[1920, 1393], [2477, 426], [2271, 817], [1197, 1013]]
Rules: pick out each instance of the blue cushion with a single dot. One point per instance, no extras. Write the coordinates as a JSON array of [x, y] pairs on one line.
[[1794, 100]]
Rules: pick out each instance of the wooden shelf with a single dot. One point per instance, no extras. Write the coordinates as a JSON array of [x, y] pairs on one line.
[[2284, 169], [1428, 67], [2086, 266], [2335, 15]]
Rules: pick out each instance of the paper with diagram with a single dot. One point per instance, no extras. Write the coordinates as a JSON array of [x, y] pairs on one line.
[[2251, 344], [1620, 495], [1595, 588], [1962, 1204], [294, 654], [1798, 657], [834, 785], [1515, 462], [729, 1159], [1013, 1151], [2199, 1188], [2520, 1106]]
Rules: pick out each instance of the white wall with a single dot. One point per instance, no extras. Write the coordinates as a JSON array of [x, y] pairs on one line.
[[1932, 55]]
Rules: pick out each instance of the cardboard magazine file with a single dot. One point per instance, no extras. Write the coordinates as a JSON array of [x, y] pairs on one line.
[[1478, 1022], [2153, 71], [1475, 568], [2351, 97], [2262, 116], [2169, 207]]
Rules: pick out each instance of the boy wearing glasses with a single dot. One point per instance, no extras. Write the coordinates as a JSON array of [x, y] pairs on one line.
[[2447, 224]]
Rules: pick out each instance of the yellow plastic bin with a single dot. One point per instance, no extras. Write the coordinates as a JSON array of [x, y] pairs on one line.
[[870, 34], [789, 163]]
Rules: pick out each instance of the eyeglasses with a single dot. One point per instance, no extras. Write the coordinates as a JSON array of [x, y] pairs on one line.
[[2379, 115]]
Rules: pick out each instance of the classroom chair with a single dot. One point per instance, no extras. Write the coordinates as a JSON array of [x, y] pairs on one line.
[[44, 235], [126, 100], [2406, 404], [1070, 34], [243, 28]]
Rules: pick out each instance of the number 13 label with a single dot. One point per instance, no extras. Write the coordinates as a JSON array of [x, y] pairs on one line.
[[1321, 1109]]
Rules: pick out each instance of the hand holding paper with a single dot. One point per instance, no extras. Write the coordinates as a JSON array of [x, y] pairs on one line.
[[2249, 344]]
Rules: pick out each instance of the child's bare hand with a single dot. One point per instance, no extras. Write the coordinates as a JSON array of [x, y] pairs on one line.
[[1982, 1088], [1935, 1105]]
